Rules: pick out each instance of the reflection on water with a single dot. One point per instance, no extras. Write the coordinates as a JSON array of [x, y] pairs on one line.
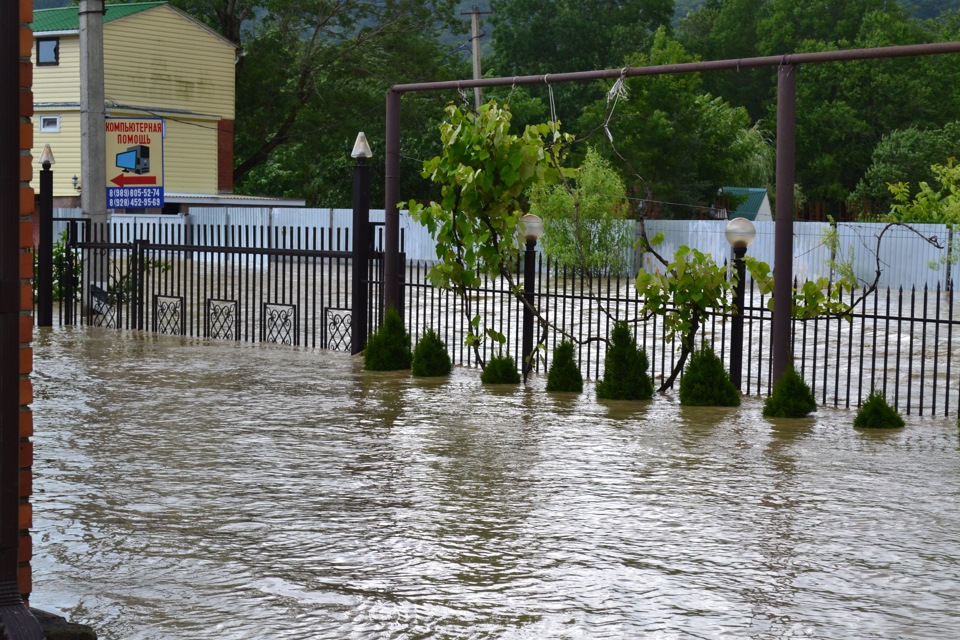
[[188, 489]]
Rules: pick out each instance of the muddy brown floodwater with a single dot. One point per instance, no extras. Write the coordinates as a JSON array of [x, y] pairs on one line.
[[191, 489]]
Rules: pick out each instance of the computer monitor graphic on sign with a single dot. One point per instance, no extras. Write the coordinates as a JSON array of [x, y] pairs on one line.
[[135, 159]]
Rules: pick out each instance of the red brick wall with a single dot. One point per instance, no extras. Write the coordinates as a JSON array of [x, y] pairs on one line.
[[26, 298], [225, 156]]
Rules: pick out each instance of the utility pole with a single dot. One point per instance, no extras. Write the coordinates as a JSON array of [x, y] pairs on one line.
[[93, 140], [475, 45]]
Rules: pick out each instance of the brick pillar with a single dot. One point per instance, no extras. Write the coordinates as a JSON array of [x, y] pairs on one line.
[[225, 156], [27, 200]]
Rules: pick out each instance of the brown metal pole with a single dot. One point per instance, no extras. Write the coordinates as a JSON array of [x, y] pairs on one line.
[[783, 234], [391, 239], [793, 59]]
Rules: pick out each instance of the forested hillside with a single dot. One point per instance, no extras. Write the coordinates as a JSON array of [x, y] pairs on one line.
[[920, 9], [313, 74]]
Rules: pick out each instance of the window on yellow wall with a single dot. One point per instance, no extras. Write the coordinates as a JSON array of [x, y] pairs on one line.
[[48, 51], [50, 124]]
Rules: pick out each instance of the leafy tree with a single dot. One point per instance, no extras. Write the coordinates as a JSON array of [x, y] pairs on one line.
[[691, 287], [312, 73], [727, 30], [680, 142], [844, 109], [483, 171], [532, 37], [906, 156], [929, 205], [585, 223], [789, 23]]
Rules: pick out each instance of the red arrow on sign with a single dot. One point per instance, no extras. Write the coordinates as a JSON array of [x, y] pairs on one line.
[[123, 180]]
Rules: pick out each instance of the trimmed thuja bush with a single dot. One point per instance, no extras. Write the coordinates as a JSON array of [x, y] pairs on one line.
[[705, 383], [625, 369], [564, 374], [430, 357], [389, 348], [876, 413], [500, 369], [791, 397]]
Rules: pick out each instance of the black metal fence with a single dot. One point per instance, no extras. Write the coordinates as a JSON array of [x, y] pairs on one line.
[[285, 286], [292, 286], [902, 342]]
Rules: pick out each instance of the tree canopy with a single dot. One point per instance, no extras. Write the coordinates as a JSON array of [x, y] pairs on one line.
[[680, 142], [313, 73]]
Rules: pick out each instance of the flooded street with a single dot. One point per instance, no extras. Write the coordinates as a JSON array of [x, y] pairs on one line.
[[191, 489]]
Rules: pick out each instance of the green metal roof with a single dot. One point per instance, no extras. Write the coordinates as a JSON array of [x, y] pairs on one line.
[[750, 207], [68, 19]]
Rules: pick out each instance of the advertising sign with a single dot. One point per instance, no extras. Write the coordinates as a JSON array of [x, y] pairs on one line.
[[134, 163]]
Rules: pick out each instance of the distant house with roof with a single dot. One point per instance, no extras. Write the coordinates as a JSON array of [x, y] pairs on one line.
[[159, 63], [753, 203]]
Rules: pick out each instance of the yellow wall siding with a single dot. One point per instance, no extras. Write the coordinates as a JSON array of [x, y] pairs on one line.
[[190, 156], [161, 59], [66, 151], [60, 83]]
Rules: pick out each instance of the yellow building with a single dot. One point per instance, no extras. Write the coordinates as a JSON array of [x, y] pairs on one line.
[[158, 63]]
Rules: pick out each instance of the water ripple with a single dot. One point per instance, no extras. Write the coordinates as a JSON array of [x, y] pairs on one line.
[[189, 489]]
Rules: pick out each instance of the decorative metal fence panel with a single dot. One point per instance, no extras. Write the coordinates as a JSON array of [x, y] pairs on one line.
[[273, 287]]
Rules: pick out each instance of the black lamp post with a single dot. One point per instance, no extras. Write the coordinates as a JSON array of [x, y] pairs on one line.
[[740, 234], [531, 228], [361, 243], [45, 250]]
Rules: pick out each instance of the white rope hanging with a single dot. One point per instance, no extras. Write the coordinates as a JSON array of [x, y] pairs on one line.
[[616, 92], [553, 106]]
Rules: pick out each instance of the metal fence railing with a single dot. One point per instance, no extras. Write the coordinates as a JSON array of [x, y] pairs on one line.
[[292, 286], [905, 342], [289, 289]]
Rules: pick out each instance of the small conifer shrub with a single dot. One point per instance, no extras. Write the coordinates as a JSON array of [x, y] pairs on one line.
[[876, 413], [791, 397], [430, 357], [500, 369], [705, 383], [625, 374], [389, 348], [564, 374]]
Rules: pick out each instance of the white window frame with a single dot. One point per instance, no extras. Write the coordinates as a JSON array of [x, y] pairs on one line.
[[46, 126]]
